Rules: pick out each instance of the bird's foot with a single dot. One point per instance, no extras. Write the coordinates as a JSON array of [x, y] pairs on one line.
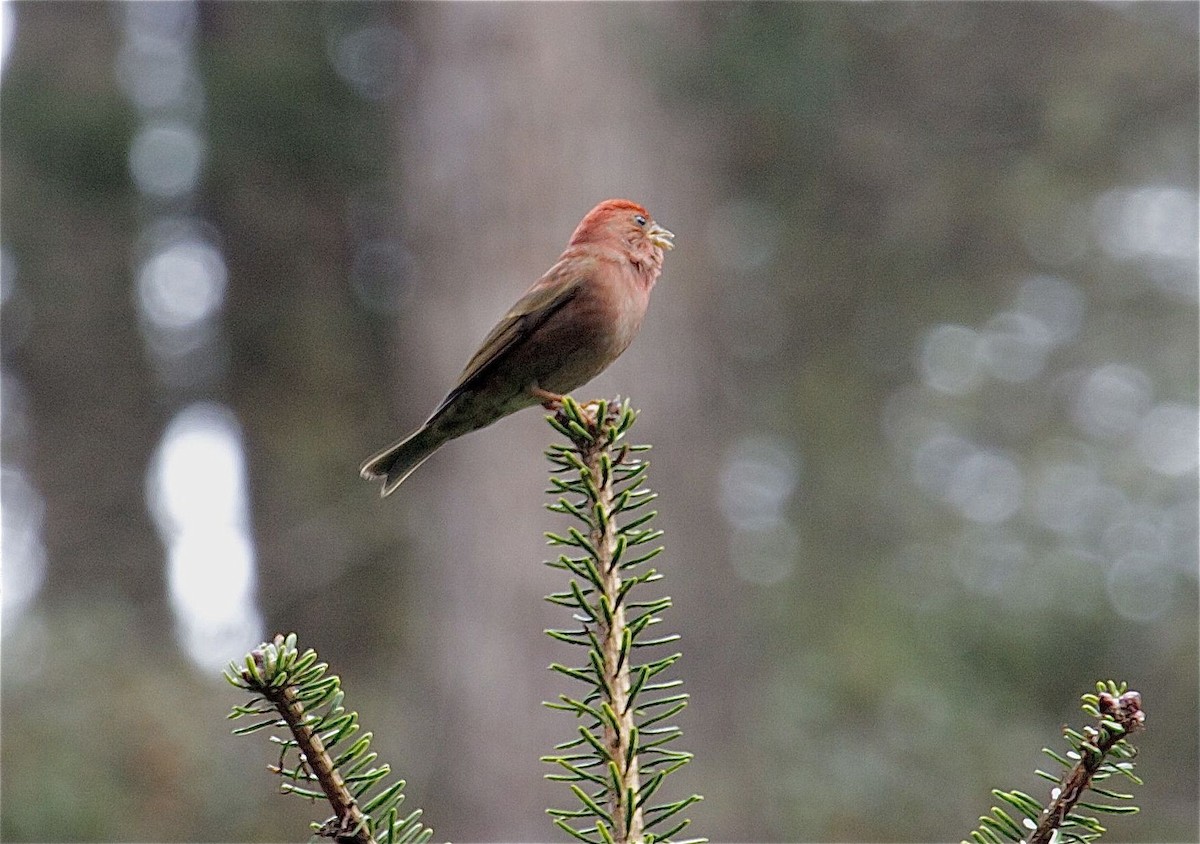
[[591, 413]]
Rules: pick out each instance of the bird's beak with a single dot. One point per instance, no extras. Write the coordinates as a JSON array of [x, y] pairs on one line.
[[660, 237]]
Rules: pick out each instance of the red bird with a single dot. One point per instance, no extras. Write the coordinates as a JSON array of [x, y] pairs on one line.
[[567, 328]]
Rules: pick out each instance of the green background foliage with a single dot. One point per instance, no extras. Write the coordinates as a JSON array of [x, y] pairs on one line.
[[920, 377]]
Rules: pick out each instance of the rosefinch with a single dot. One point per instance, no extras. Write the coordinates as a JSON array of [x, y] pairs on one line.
[[567, 328]]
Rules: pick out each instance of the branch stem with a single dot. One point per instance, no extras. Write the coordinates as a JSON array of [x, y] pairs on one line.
[[351, 824], [628, 824]]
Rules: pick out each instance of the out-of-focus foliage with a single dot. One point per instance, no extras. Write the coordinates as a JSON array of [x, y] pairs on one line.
[[921, 379]]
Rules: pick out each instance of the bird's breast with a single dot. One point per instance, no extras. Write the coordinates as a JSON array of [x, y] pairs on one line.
[[591, 331]]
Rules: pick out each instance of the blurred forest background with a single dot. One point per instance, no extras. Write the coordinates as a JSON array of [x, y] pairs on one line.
[[920, 377]]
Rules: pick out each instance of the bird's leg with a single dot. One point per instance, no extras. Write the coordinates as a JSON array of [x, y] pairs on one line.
[[549, 400], [554, 401]]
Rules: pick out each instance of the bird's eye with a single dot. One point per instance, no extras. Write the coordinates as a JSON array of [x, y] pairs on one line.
[[639, 219]]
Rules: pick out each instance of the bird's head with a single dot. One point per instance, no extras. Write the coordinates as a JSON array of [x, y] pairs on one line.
[[627, 225]]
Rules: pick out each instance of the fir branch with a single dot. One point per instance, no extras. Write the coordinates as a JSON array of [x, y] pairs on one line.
[[623, 737], [1119, 714], [308, 705]]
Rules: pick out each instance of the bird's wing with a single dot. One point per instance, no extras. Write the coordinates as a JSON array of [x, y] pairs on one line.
[[554, 290]]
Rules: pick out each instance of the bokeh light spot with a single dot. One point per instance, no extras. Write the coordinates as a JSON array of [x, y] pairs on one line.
[[1167, 439], [199, 474], [182, 285], [166, 159], [155, 74], [196, 491], [1014, 346], [986, 487], [949, 359], [24, 569], [757, 481], [1153, 220], [1111, 401], [156, 23], [8, 31], [1139, 588]]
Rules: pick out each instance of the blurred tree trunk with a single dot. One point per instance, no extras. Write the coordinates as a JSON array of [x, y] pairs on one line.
[[71, 332], [505, 142]]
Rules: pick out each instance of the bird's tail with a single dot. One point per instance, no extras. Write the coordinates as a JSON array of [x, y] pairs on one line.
[[398, 461]]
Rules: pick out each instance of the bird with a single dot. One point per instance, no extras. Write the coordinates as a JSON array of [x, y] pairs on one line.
[[566, 329]]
